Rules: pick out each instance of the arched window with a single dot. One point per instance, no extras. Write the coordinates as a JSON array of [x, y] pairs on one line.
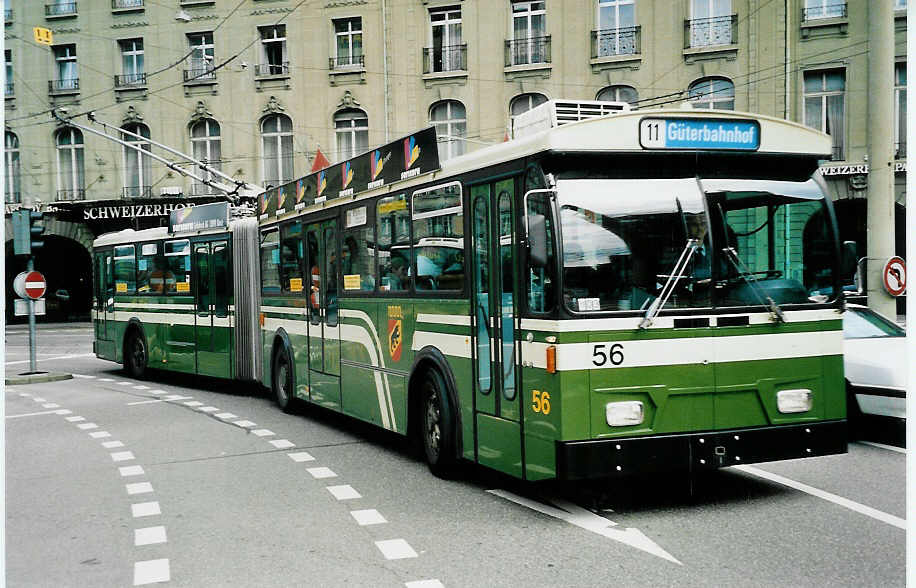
[[712, 93], [618, 94], [205, 147], [11, 158], [277, 149], [137, 172], [352, 130], [71, 177], [524, 103], [450, 120]]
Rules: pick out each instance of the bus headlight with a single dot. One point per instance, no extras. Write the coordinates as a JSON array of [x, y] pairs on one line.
[[622, 414], [788, 401]]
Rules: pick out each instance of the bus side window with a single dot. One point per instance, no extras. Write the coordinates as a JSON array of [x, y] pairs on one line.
[[542, 280], [358, 250], [270, 262], [438, 238], [150, 270], [222, 279], [393, 223], [291, 259], [177, 277], [125, 269]]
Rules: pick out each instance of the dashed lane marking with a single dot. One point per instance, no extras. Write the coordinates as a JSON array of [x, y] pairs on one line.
[[122, 456], [99, 434], [301, 456], [50, 405], [139, 488], [321, 473], [245, 424], [151, 572], [37, 399], [425, 584], [208, 409], [193, 403], [263, 433], [112, 444], [106, 380], [141, 387], [838, 500], [133, 470], [169, 398], [145, 509], [84, 376], [149, 536], [344, 492], [395, 549], [226, 415], [125, 383], [368, 516], [87, 426], [282, 443], [75, 419]]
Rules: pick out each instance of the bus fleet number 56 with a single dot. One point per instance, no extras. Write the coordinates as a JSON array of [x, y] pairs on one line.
[[603, 353]]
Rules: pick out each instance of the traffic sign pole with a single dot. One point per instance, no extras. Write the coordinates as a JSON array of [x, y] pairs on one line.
[[33, 364]]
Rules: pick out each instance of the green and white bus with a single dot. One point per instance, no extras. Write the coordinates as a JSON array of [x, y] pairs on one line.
[[603, 295]]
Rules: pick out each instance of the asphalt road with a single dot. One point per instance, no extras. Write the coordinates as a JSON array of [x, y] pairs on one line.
[[115, 482]]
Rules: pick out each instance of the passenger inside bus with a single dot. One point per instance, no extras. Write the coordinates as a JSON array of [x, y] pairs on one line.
[[395, 276]]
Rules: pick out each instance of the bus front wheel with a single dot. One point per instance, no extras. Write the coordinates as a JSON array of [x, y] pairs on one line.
[[282, 380], [135, 354], [438, 426]]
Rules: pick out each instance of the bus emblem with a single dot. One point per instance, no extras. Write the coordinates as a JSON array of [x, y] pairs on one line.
[[394, 339]]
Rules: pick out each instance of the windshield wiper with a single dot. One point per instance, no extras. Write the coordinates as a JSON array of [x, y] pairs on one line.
[[776, 313], [675, 276]]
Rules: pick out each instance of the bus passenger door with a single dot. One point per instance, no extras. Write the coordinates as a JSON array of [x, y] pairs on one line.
[[104, 304], [324, 331], [496, 401], [213, 332]]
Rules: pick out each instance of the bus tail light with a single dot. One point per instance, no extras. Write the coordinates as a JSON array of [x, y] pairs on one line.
[[552, 359], [789, 401], [623, 414]]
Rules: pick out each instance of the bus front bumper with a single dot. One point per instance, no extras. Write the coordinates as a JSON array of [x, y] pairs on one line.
[[693, 452]]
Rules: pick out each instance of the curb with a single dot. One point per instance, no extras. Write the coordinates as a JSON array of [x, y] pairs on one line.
[[37, 378]]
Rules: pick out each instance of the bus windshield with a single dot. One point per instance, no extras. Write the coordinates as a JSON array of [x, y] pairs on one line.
[[623, 239]]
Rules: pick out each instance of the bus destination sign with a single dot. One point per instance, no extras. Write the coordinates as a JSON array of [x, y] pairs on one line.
[[712, 134], [199, 218], [400, 160]]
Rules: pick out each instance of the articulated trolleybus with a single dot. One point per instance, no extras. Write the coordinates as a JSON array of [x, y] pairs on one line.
[[612, 292]]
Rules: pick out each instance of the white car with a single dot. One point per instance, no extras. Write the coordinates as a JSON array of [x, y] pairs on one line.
[[875, 364]]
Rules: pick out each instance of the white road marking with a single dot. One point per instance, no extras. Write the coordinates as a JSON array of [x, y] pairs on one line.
[[50, 405], [125, 383], [226, 415], [245, 424], [425, 584], [75, 419], [157, 392], [165, 399], [28, 414], [395, 549], [585, 519], [321, 473], [301, 456], [83, 376], [145, 509], [87, 426], [208, 409], [100, 434], [344, 492], [141, 387], [149, 536], [122, 456], [105, 380], [52, 358], [25, 394], [112, 444], [369, 516], [63, 411], [262, 432], [139, 488], [193, 403], [134, 470], [282, 443], [883, 446], [173, 397], [151, 572], [37, 399], [838, 500]]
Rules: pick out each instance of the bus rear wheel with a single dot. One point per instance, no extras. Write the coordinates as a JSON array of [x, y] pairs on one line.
[[437, 426], [135, 355], [282, 380]]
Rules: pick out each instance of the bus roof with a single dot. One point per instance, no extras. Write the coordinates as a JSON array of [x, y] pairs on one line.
[[132, 236]]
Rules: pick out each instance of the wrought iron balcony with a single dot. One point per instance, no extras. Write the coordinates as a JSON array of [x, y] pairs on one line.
[[137, 192], [263, 70], [65, 86], [60, 9], [126, 4], [448, 58], [528, 51], [613, 42], [202, 75], [77, 194], [346, 62], [134, 80], [834, 10], [711, 32]]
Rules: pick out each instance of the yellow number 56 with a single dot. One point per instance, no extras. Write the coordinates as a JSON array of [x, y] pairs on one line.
[[540, 401]]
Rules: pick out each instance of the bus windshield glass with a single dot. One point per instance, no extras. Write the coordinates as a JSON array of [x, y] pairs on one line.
[[714, 242]]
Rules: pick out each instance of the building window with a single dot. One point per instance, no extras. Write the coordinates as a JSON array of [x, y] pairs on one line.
[[352, 129], [825, 109], [8, 54], [712, 93], [205, 147], [447, 52], [71, 178], [815, 9], [617, 32], [450, 120], [530, 43], [13, 177], [277, 149], [524, 103], [619, 94], [900, 110], [899, 4], [65, 62], [274, 61], [711, 23], [201, 58], [60, 8], [137, 180], [348, 34], [131, 64]]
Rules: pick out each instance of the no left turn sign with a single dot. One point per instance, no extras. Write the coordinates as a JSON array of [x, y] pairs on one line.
[[894, 276]]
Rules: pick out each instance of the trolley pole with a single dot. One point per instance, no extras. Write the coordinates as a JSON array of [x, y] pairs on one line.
[[33, 364], [880, 153]]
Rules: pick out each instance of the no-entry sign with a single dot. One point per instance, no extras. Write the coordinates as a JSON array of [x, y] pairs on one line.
[[30, 285], [894, 275]]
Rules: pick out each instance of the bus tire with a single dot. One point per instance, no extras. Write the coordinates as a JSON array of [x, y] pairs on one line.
[[136, 354], [282, 380], [437, 426]]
